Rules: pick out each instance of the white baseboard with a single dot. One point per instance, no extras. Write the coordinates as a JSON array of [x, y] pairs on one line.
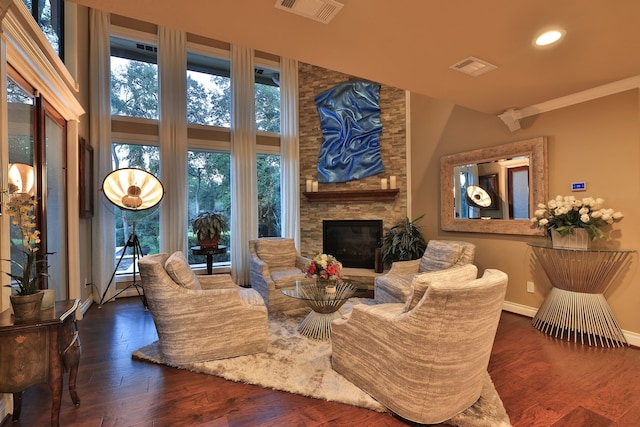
[[633, 338], [523, 310]]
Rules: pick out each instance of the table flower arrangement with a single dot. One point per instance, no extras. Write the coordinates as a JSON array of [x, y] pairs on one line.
[[21, 209], [563, 214], [323, 267]]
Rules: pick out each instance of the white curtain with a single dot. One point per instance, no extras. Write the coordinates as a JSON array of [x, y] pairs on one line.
[[103, 225], [172, 63], [289, 150], [244, 193]]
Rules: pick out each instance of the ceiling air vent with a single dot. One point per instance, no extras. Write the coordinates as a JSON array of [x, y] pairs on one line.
[[473, 66], [318, 10]]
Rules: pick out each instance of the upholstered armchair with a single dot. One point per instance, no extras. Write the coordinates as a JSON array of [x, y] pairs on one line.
[[201, 318], [439, 255], [427, 363], [275, 264]]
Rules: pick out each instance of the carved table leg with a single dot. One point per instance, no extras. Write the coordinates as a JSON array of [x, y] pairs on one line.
[[17, 406]]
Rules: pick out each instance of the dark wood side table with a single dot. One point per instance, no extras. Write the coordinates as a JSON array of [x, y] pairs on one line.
[[37, 352], [209, 252]]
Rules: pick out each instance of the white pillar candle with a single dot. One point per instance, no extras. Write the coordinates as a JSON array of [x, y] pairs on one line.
[[392, 182], [383, 183], [314, 186], [309, 187]]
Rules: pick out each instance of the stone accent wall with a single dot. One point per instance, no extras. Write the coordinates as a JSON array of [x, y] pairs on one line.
[[312, 81]]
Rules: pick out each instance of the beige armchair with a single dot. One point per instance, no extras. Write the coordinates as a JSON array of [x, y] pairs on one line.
[[201, 318], [439, 255], [428, 363], [275, 264]]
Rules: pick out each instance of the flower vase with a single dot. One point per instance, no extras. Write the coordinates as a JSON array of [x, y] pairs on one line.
[[323, 283], [26, 307], [577, 239]]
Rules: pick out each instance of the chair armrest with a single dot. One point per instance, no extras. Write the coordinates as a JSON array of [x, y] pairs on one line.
[[301, 262], [251, 298], [261, 269], [217, 281], [372, 315], [405, 267]]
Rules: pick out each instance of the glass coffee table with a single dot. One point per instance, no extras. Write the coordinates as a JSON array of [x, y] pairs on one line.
[[324, 304]]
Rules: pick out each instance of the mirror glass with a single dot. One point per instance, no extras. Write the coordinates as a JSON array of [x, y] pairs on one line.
[[494, 189]]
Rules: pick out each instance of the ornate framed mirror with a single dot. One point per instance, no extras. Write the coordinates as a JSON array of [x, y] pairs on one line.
[[514, 175]]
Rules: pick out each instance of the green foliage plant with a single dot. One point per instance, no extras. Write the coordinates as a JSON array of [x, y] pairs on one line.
[[403, 242], [209, 225]]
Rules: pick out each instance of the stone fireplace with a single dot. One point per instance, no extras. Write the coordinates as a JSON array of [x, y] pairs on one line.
[[342, 201], [352, 242]]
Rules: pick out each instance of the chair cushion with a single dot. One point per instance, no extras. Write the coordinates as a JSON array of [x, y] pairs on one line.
[[440, 255], [421, 282], [283, 277], [277, 252], [396, 285], [180, 271]]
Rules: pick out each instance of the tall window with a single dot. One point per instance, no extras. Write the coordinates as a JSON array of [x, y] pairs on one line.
[[209, 189], [267, 90], [146, 223], [208, 91], [134, 79], [49, 14], [269, 224], [135, 95]]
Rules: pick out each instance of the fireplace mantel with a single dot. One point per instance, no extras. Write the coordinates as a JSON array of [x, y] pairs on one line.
[[351, 195]]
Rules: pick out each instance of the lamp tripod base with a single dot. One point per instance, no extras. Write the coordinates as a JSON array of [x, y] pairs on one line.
[[134, 243]]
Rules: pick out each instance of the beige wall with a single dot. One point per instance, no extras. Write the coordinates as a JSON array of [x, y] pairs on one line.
[[597, 142]]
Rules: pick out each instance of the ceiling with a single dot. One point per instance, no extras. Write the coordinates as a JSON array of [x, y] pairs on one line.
[[411, 44]]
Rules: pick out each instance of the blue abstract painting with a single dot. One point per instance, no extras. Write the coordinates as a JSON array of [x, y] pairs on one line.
[[351, 127]]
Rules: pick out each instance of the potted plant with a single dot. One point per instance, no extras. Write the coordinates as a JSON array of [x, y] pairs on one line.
[[403, 242], [27, 300], [208, 227]]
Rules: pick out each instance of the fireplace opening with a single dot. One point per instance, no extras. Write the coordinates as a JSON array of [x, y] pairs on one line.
[[352, 242]]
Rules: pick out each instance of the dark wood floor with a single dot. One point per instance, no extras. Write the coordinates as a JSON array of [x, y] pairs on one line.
[[542, 381]]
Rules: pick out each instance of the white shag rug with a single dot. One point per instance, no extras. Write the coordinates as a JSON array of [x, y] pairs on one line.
[[300, 365]]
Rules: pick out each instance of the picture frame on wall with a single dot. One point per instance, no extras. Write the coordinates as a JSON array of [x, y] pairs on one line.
[[85, 179], [490, 184]]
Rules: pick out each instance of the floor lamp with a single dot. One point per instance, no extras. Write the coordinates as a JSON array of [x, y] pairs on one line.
[[132, 190], [478, 198]]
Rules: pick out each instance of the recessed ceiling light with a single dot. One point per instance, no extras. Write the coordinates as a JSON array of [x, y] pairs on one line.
[[548, 38]]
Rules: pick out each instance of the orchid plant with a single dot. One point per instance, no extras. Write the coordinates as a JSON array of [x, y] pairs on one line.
[[21, 209]]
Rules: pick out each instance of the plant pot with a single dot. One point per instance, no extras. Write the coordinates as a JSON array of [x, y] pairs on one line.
[[577, 239], [26, 307], [208, 243], [48, 299]]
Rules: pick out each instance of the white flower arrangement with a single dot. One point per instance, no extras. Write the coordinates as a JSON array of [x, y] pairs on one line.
[[563, 214]]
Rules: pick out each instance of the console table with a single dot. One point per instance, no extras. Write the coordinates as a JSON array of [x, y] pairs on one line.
[[576, 305], [37, 352]]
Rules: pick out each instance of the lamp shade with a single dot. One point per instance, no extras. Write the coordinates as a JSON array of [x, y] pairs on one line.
[[22, 178], [478, 196], [132, 189]]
